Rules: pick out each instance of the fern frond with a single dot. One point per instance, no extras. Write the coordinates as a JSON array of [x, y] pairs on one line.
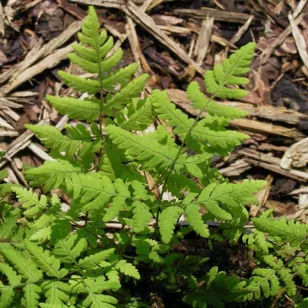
[[229, 73], [93, 284], [257, 241], [293, 232], [283, 272], [8, 223], [153, 154], [31, 295], [94, 260], [10, 273], [127, 269], [92, 86], [7, 296], [183, 126], [139, 117], [48, 263], [263, 282], [84, 85], [130, 91], [299, 266], [75, 108], [223, 200], [167, 221], [121, 77], [193, 217], [100, 300], [141, 216], [42, 235], [218, 288], [97, 192], [23, 265], [56, 293], [78, 141], [69, 249], [114, 208], [30, 201], [55, 174], [200, 101]]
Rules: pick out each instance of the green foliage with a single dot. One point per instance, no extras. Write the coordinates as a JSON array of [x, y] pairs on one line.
[[102, 221]]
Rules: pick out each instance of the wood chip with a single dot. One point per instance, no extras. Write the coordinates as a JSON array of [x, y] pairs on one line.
[[204, 39], [236, 168], [296, 156], [136, 49], [217, 14], [1, 20], [271, 163], [299, 41], [237, 36]]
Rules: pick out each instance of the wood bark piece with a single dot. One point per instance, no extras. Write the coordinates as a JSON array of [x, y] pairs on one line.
[[36, 149], [49, 62], [267, 128], [103, 3], [136, 49], [38, 52], [293, 174], [236, 168], [271, 163], [217, 14], [296, 156], [241, 30], [204, 39], [19, 67], [6, 103], [1, 20], [299, 41]]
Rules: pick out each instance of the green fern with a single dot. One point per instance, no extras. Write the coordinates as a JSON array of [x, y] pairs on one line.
[[224, 200], [125, 190], [293, 232], [229, 73], [31, 201], [167, 222], [199, 131]]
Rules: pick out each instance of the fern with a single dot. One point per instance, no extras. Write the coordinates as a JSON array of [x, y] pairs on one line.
[[200, 101], [167, 222], [127, 269], [31, 201], [290, 231], [126, 191], [24, 265], [200, 132], [49, 264], [229, 73], [223, 200]]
